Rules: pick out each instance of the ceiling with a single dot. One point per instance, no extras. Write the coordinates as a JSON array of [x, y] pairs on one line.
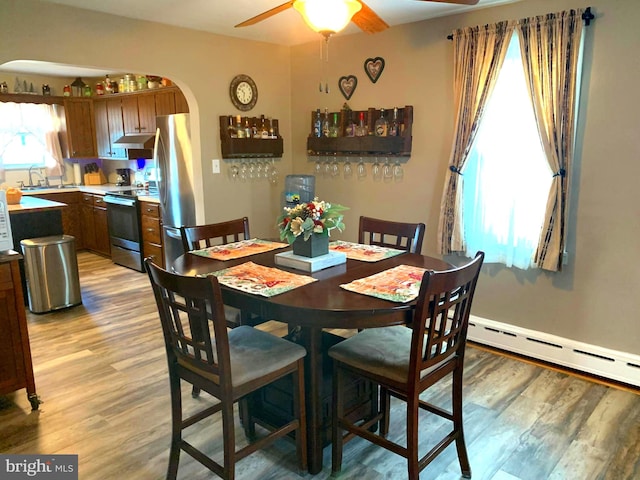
[[220, 16]]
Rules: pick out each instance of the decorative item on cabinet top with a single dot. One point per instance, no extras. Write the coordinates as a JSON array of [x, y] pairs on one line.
[[242, 136], [364, 145]]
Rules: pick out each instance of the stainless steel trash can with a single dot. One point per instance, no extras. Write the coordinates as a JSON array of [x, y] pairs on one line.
[[51, 268]]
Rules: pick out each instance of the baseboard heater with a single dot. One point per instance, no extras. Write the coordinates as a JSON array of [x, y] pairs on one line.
[[614, 365]]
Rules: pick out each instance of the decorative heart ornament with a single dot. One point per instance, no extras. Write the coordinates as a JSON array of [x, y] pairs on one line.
[[374, 67], [348, 85]]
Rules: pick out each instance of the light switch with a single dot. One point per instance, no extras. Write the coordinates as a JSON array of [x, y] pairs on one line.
[[215, 165]]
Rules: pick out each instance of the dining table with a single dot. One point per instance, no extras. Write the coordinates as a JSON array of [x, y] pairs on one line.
[[309, 310]]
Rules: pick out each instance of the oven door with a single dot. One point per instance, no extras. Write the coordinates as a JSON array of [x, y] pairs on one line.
[[124, 231]]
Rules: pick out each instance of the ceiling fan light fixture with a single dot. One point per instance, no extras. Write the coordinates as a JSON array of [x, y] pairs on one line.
[[327, 16]]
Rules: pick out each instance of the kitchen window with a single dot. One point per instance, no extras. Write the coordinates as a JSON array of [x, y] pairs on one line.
[[28, 136]]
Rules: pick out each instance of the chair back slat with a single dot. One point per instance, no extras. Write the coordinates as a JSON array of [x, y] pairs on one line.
[[189, 309], [385, 233], [202, 236], [441, 317]]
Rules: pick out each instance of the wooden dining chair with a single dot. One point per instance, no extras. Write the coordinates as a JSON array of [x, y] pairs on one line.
[[405, 362], [386, 233], [195, 237], [200, 236], [228, 364]]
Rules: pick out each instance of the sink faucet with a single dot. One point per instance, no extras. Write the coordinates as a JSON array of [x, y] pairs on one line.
[[38, 173]]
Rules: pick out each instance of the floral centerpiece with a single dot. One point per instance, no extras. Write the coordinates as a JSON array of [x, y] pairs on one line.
[[310, 223]]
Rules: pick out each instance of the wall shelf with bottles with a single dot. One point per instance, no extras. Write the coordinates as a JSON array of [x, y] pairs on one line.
[[233, 145], [364, 145]]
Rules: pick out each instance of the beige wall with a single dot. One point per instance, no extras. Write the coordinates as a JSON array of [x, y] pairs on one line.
[[201, 64], [594, 300]]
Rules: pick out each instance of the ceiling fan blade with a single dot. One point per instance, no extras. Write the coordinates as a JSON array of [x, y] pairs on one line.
[[459, 2], [368, 21], [265, 15]]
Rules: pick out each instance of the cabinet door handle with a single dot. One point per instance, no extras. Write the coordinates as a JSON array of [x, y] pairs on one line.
[[151, 229]]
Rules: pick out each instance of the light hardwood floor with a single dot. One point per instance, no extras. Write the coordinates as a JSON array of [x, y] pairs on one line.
[[101, 371]]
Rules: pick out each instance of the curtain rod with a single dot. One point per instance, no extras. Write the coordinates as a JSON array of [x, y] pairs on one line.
[[587, 16]]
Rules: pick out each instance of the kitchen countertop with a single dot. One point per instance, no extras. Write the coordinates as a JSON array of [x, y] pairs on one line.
[[30, 204], [95, 189]]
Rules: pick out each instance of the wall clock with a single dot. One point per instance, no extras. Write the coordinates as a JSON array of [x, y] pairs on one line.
[[244, 93]]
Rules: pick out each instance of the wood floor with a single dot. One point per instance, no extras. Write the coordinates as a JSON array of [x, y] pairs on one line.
[[101, 371]]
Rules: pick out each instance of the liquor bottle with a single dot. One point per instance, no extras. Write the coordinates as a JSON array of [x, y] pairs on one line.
[[247, 128], [264, 130], [239, 130], [317, 125], [394, 127], [255, 131], [231, 129], [325, 123], [361, 130], [351, 127], [334, 129], [382, 125], [273, 130]]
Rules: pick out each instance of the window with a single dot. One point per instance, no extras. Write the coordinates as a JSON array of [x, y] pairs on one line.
[[28, 136], [506, 177]]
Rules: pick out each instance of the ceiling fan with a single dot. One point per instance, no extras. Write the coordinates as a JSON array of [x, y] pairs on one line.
[[354, 10]]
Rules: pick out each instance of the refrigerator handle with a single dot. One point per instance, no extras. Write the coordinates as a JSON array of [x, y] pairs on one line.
[[162, 188]]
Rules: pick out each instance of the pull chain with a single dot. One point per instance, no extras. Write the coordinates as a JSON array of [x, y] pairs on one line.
[[324, 61]]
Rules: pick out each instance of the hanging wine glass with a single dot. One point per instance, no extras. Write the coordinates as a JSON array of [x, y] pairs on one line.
[[387, 170], [273, 175], [376, 170], [244, 171], [398, 171], [348, 171], [252, 170], [259, 170], [362, 169], [234, 171], [317, 169], [335, 167]]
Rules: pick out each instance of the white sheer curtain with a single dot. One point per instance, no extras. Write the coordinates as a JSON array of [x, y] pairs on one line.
[[38, 121], [506, 177]]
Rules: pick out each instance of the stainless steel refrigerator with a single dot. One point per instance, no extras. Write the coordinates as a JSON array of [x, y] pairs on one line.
[[175, 178]]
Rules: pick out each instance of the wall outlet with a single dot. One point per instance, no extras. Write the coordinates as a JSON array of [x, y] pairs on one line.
[[215, 165]]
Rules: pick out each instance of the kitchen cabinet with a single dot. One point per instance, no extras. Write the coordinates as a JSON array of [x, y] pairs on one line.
[[93, 218], [109, 127], [139, 114], [16, 368], [70, 215], [151, 223], [79, 138], [169, 101], [369, 145]]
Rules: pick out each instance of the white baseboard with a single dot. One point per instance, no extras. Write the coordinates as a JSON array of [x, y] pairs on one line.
[[620, 366]]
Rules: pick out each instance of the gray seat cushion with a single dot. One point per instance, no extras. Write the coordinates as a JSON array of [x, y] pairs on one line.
[[381, 351], [255, 353]]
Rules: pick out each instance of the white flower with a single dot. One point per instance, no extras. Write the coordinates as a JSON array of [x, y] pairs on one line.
[[296, 226]]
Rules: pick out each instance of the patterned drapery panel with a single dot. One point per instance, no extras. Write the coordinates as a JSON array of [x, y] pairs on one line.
[[551, 47]]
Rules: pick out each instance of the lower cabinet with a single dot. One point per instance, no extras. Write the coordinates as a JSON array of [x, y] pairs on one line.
[[151, 223], [16, 369], [93, 219]]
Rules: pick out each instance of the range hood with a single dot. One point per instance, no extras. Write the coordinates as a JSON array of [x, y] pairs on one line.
[[143, 141]]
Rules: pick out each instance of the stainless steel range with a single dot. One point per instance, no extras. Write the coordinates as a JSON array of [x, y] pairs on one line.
[[123, 216]]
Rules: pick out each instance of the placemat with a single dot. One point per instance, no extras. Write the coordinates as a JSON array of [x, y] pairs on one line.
[[260, 280], [398, 284], [243, 248], [366, 253]]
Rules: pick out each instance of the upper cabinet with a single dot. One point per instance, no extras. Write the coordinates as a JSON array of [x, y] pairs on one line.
[[132, 114], [80, 131], [109, 127], [139, 114]]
